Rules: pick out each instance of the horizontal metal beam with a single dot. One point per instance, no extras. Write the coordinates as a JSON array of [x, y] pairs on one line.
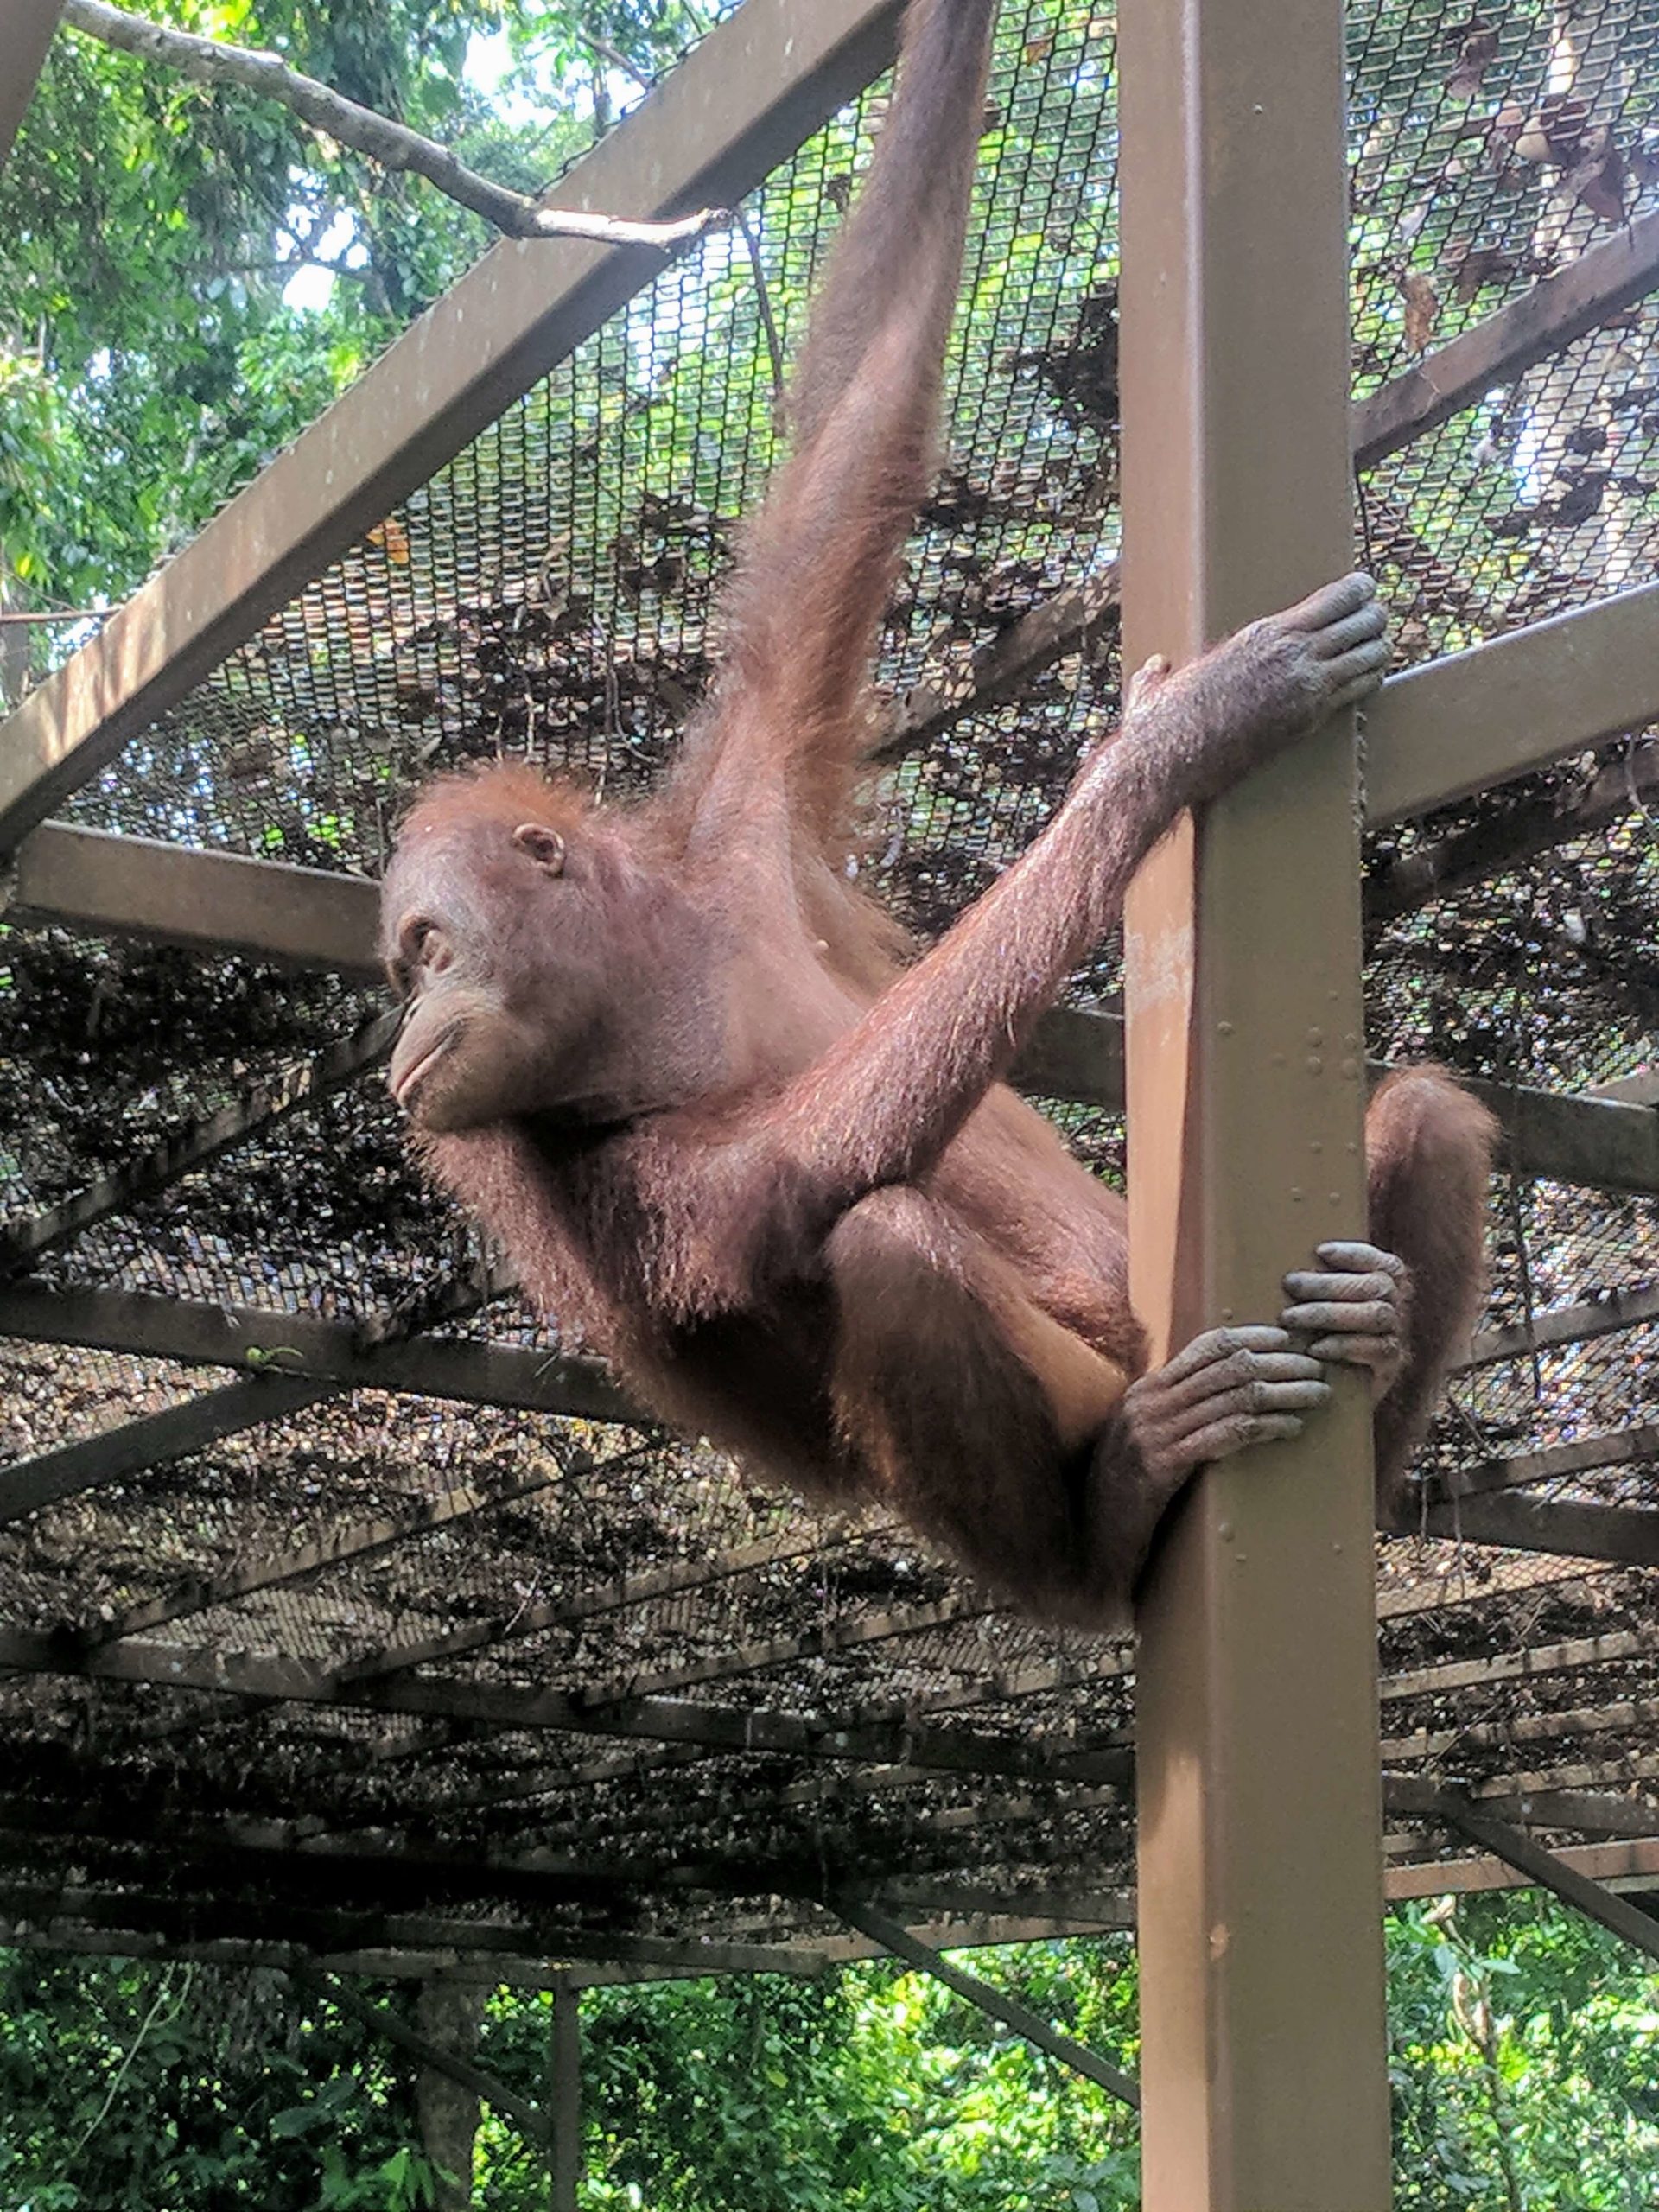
[[442, 1940], [1633, 1718], [1567, 1324], [309, 1351], [1627, 784], [312, 918], [260, 1106], [1531, 1664], [358, 1542], [615, 1956], [1636, 1860], [850, 1632], [1605, 1906], [954, 1750], [154, 1440], [1603, 1143], [208, 902], [1475, 719], [746, 97], [1627, 1535], [1582, 1455], [1557, 310]]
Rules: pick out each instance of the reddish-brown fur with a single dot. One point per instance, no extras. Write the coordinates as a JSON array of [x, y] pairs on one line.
[[680, 1070]]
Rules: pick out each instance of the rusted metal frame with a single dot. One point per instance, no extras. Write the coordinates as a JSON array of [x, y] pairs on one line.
[[27, 28], [209, 902], [1516, 1793], [152, 1441], [1599, 284], [746, 1660], [533, 1619], [1603, 1143], [1567, 1324], [1517, 1850], [1568, 1657], [363, 1540], [1264, 2076], [323, 1352], [1626, 784], [1635, 1861], [654, 1720], [1540, 1802], [261, 1107], [1543, 321], [1077, 1056], [1035, 2030], [746, 97], [1584, 1455], [1624, 1536], [1474, 719], [1638, 1715], [564, 2099], [443, 1943], [529, 2120]]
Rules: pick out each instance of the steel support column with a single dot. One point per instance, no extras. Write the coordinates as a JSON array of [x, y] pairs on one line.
[[1260, 1894], [564, 2099], [26, 31]]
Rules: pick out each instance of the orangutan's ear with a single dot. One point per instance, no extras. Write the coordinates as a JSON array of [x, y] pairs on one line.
[[544, 846]]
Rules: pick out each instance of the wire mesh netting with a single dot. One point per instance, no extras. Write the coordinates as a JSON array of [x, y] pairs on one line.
[[607, 1676]]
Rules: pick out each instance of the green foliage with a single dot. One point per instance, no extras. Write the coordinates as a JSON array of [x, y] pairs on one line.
[[169, 2088], [150, 226], [1525, 2062], [878, 2088]]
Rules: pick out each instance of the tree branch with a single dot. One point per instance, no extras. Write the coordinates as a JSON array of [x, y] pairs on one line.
[[393, 145]]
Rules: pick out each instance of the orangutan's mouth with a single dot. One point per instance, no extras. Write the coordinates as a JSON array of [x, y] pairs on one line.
[[404, 1086]]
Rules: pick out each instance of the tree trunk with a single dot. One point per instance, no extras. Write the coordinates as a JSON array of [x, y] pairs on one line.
[[451, 2014]]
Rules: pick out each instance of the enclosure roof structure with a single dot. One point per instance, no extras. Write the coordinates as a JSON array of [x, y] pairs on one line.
[[345, 1612]]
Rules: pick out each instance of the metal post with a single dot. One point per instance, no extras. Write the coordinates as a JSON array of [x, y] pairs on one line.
[[564, 2099], [1263, 2074], [26, 31]]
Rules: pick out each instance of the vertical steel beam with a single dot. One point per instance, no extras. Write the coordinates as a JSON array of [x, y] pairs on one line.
[[26, 31], [1263, 2075], [564, 2099]]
